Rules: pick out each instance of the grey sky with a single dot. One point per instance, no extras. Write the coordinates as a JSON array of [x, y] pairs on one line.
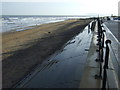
[[39, 8], [119, 8], [61, 7]]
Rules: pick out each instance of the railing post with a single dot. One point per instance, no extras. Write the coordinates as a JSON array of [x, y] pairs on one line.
[[107, 53], [104, 79], [106, 65]]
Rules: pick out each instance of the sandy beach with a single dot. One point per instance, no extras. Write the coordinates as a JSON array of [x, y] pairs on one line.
[[24, 50]]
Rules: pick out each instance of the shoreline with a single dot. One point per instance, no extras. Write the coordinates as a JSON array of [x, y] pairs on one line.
[[36, 20], [23, 50]]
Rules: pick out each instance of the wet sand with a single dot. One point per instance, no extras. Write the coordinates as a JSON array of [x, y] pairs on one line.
[[24, 50]]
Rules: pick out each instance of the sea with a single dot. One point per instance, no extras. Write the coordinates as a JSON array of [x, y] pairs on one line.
[[22, 22]]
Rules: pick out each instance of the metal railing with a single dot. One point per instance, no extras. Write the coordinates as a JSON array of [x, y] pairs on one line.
[[100, 48], [102, 68]]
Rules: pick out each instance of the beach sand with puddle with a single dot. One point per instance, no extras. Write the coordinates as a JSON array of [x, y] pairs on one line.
[[24, 50]]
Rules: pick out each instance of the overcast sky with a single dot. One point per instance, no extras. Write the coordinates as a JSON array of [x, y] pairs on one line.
[[59, 7]]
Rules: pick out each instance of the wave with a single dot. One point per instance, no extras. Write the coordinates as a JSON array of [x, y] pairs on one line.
[[11, 22]]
